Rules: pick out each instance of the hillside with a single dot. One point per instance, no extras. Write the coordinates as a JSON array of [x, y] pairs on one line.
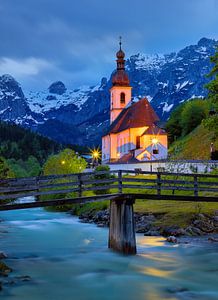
[[195, 145], [19, 143]]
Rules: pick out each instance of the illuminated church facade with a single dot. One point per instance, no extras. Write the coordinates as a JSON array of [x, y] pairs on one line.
[[133, 135]]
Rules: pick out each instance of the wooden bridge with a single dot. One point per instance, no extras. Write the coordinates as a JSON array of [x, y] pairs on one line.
[[121, 187]]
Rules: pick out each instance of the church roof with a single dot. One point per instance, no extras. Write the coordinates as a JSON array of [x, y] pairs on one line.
[[154, 130], [139, 114]]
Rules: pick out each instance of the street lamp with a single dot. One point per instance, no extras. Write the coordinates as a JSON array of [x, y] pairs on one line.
[[95, 153]]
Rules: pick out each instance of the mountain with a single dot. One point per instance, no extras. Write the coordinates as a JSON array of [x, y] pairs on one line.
[[79, 116]]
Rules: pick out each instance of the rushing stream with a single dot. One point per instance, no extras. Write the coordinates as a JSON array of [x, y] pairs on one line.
[[69, 260]]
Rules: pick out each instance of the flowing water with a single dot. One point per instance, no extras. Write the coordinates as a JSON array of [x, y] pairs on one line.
[[70, 260]]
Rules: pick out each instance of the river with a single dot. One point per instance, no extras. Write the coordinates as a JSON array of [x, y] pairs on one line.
[[69, 260]]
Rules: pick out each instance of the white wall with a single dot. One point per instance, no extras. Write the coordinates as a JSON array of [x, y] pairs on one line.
[[178, 166]]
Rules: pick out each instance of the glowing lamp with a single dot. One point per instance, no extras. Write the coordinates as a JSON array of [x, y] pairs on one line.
[[95, 154], [154, 141], [118, 155], [63, 162]]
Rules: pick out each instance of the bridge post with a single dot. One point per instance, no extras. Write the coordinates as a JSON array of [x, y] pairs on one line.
[[122, 229]]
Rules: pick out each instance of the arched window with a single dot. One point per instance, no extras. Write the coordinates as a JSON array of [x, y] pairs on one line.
[[122, 98]]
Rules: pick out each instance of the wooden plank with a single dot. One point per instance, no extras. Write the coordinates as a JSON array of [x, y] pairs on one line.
[[52, 192], [80, 185], [170, 174], [87, 182], [137, 186], [158, 183], [195, 185], [58, 202], [208, 189], [172, 197], [120, 181], [124, 179], [104, 187], [208, 183], [36, 187]]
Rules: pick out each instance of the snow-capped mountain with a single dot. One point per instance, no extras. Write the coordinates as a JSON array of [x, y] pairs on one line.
[[55, 97], [80, 115]]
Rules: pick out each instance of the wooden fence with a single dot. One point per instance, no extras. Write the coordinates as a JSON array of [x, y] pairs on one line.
[[82, 187]]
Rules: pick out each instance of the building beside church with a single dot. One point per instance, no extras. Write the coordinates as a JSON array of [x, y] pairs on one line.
[[133, 134]]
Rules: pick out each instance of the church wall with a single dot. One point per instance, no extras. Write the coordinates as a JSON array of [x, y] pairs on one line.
[[123, 144], [116, 105], [113, 146], [134, 132], [106, 148]]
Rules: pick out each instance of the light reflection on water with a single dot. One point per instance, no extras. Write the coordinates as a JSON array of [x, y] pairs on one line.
[[69, 260]]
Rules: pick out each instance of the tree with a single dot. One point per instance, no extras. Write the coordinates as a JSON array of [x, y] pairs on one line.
[[173, 126], [5, 170], [65, 162], [192, 114], [212, 122], [186, 117]]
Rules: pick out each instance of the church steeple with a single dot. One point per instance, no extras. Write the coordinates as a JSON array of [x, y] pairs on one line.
[[120, 57], [120, 77], [121, 89]]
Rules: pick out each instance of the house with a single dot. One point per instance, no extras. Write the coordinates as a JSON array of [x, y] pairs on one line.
[[133, 134]]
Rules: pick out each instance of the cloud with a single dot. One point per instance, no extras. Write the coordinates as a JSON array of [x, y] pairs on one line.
[[20, 68], [76, 41]]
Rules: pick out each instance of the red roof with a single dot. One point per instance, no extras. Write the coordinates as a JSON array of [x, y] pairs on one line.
[[154, 130], [139, 114]]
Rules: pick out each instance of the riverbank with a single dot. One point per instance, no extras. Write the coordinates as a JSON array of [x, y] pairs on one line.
[[151, 224]]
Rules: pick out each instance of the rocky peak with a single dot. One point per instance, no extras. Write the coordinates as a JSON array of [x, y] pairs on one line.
[[57, 87], [206, 42], [9, 87]]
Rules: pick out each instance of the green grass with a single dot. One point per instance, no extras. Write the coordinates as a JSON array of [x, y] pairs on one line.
[[195, 145]]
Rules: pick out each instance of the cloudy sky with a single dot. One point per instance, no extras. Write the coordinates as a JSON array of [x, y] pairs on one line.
[[42, 41]]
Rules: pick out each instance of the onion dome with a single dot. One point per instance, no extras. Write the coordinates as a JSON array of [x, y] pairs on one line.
[[120, 54], [120, 77]]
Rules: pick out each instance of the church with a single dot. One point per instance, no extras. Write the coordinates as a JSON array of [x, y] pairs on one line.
[[133, 135]]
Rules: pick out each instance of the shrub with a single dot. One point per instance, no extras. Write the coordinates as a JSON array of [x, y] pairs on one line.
[[97, 176]]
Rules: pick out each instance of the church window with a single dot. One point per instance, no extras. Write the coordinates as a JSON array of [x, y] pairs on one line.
[[122, 98], [155, 151], [137, 142]]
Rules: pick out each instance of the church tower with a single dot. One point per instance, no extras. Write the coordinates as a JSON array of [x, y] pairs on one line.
[[121, 89]]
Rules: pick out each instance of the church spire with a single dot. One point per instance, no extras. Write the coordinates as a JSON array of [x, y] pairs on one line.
[[120, 77], [120, 57]]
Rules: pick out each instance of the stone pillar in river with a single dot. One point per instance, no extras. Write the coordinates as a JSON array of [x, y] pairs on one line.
[[122, 228]]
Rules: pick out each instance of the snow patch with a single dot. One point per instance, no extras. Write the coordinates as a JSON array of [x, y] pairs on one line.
[[167, 107]]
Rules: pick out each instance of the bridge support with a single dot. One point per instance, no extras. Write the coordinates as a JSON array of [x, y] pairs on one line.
[[122, 229]]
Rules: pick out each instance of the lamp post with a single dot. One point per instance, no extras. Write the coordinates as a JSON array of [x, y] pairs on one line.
[[95, 156]]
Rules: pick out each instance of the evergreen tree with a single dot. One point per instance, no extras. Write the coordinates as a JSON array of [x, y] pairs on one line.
[[5, 170]]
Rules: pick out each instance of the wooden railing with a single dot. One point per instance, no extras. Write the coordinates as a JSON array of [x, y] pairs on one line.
[[79, 188]]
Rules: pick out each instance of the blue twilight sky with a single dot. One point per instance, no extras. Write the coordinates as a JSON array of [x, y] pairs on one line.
[[42, 41]]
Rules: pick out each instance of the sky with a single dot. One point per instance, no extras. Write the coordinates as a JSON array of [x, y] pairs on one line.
[[42, 41]]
